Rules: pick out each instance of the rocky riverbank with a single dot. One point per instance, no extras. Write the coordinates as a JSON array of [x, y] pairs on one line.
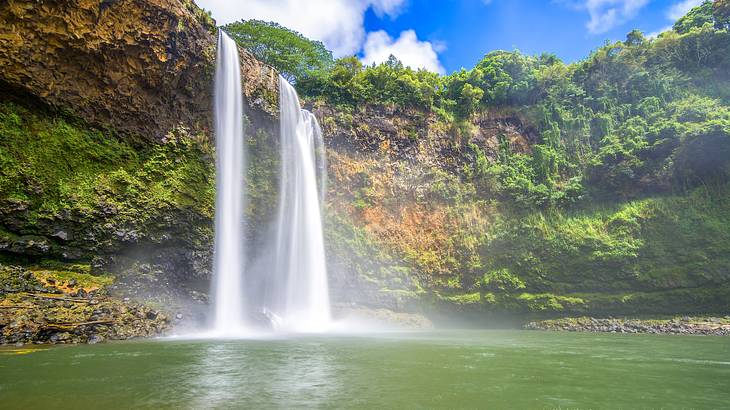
[[686, 325], [56, 307]]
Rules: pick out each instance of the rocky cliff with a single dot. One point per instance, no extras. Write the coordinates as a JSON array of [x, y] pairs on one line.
[[404, 221], [417, 218], [106, 145], [138, 67], [107, 170]]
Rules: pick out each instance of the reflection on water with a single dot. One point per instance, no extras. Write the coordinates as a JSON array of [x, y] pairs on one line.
[[281, 372], [308, 376], [216, 376], [21, 350]]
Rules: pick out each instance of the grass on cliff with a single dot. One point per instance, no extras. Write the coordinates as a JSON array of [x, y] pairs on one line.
[[52, 167], [65, 280], [654, 255]]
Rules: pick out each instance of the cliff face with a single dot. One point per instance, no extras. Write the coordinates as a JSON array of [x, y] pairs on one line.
[[139, 67], [106, 144], [415, 215], [110, 162], [404, 220], [107, 166]]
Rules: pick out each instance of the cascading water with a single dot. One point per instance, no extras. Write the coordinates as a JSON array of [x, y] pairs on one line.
[[299, 290], [228, 264]]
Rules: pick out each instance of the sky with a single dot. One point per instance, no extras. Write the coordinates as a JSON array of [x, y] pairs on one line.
[[445, 35]]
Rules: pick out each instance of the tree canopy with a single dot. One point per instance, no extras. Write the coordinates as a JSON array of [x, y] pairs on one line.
[[292, 54], [621, 123]]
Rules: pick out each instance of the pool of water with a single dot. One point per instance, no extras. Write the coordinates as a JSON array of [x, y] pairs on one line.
[[444, 369]]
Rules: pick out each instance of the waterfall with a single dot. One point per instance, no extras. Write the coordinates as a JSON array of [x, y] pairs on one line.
[[299, 285], [228, 264], [297, 294]]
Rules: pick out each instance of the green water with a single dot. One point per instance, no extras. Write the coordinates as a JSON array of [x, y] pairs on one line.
[[449, 369]]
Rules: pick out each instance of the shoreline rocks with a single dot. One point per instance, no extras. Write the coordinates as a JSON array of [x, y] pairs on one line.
[[47, 312], [685, 325]]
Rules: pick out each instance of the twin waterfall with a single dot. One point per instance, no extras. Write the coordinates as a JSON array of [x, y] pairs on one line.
[[296, 292]]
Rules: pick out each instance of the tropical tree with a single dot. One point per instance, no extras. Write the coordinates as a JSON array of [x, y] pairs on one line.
[[292, 54], [697, 17], [721, 12]]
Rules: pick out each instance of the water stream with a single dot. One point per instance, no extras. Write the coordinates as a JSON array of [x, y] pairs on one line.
[[300, 296], [228, 260], [297, 295]]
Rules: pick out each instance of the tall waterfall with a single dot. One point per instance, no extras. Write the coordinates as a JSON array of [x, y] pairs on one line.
[[228, 264], [299, 287]]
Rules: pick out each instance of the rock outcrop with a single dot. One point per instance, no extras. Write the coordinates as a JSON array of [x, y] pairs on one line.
[[138, 67], [685, 325], [56, 307], [106, 147]]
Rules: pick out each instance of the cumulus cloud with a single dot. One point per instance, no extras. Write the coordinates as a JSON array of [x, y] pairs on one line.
[[339, 24], [607, 14], [678, 10], [387, 7], [407, 48]]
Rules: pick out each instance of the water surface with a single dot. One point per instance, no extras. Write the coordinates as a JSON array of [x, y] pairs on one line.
[[446, 369]]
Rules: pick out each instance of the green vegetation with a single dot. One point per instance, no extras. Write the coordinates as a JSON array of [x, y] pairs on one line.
[[53, 169], [80, 280], [659, 254], [293, 55], [623, 122], [618, 207], [523, 185]]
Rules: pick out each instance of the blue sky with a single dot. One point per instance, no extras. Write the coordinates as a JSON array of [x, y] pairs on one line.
[[445, 35]]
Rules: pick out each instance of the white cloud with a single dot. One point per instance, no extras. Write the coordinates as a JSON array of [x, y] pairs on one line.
[[675, 12], [607, 14], [390, 7], [407, 48], [339, 24], [655, 34], [678, 10]]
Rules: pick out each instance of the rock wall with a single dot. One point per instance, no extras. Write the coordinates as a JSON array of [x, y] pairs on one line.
[[404, 216], [139, 67], [143, 70], [106, 140]]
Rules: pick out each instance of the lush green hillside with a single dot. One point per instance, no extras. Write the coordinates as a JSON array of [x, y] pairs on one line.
[[529, 185], [524, 186]]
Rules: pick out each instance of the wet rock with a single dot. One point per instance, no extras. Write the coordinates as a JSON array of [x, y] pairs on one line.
[[94, 339], [383, 317], [62, 235], [684, 326], [42, 320]]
